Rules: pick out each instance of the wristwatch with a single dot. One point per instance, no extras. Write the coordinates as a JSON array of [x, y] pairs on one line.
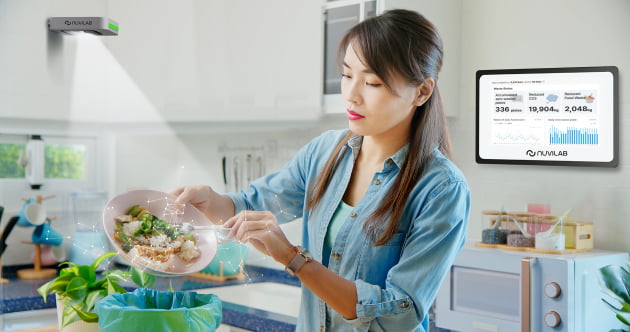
[[302, 256]]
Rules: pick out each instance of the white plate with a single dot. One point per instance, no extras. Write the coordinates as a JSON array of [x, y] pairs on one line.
[[158, 204]]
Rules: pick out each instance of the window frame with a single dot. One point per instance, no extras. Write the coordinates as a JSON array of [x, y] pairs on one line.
[[93, 171]]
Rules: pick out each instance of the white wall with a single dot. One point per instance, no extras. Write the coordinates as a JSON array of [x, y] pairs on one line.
[[500, 34]]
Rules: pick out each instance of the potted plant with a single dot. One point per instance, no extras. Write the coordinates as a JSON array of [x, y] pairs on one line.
[[78, 289], [616, 284]]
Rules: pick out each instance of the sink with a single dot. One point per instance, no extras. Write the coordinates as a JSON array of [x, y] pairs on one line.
[[269, 296]]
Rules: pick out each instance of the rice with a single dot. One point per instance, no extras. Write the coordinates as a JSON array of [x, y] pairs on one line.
[[130, 228], [160, 241], [189, 251]]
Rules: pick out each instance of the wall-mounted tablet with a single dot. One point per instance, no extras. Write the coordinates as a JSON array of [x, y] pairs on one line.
[[548, 116]]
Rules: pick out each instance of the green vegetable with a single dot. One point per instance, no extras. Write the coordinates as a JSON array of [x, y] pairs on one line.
[[134, 210], [151, 225]]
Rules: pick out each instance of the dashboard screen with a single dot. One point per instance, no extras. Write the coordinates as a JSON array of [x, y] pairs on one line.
[[552, 116]]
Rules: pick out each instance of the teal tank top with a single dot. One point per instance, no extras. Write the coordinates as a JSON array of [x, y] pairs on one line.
[[341, 214]]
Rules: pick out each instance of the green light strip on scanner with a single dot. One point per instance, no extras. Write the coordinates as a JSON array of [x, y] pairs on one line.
[[112, 26]]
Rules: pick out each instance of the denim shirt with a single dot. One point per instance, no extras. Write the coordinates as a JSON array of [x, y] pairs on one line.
[[397, 282]]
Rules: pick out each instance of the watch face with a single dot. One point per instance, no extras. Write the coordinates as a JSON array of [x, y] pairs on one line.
[[305, 252]]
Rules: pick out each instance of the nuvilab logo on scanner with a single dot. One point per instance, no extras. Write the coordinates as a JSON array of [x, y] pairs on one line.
[[548, 153], [68, 22]]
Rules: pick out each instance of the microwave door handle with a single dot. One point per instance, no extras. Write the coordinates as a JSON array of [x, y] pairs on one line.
[[526, 291]]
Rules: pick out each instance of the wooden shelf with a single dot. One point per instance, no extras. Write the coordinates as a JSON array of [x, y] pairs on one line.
[[531, 249]]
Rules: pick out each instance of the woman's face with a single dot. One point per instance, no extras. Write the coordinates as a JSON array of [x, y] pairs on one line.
[[373, 109]]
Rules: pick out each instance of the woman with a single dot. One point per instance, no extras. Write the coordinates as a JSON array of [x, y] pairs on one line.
[[384, 209]]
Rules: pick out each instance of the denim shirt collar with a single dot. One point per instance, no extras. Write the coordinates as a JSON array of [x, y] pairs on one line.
[[398, 158]]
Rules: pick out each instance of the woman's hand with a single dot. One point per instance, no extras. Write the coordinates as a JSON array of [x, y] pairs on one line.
[[261, 229], [198, 196], [216, 207]]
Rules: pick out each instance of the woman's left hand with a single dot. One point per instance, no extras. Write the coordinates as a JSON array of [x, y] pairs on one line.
[[261, 229]]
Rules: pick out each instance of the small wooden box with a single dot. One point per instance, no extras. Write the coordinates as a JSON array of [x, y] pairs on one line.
[[578, 235]]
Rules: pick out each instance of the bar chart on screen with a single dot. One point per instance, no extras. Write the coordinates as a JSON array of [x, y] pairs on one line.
[[572, 135]]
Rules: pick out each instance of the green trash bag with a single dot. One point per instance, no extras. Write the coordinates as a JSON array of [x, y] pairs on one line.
[[151, 310]]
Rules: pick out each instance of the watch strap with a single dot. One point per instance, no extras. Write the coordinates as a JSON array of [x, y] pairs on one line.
[[298, 261]]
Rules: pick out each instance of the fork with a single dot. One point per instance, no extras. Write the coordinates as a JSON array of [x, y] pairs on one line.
[[221, 232]]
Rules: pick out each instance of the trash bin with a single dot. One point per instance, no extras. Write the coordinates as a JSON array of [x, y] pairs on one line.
[[155, 311]]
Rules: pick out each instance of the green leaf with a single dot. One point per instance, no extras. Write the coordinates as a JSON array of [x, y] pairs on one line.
[[615, 280], [113, 287], [59, 286], [69, 315], [69, 272], [92, 297], [70, 264], [100, 259], [87, 273], [141, 278], [85, 316], [76, 289], [117, 275], [623, 319], [43, 289]]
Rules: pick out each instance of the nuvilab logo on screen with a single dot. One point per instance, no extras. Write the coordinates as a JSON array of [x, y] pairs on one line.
[[548, 153]]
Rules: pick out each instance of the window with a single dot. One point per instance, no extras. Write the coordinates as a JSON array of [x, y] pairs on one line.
[[65, 161], [69, 162], [10, 151]]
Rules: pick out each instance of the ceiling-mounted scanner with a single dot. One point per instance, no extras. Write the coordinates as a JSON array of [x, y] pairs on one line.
[[101, 26]]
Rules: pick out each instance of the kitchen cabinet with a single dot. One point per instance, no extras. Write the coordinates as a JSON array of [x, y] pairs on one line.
[[260, 59], [225, 60], [445, 14], [339, 17]]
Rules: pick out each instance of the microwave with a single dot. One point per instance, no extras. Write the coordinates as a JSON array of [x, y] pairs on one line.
[[498, 290]]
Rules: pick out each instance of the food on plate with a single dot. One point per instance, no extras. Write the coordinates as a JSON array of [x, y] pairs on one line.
[[153, 240]]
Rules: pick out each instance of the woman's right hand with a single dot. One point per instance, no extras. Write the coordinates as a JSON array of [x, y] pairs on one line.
[[216, 207]]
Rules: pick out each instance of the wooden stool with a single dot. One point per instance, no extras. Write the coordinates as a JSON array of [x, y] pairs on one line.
[[37, 272]]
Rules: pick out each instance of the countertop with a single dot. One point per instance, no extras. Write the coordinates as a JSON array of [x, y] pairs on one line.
[[21, 295]]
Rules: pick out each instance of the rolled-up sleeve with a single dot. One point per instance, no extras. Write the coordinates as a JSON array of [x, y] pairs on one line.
[[436, 235]]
